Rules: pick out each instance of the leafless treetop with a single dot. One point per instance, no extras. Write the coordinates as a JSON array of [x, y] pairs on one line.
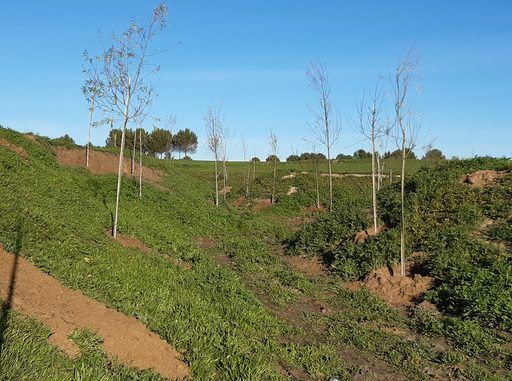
[[126, 88], [326, 126]]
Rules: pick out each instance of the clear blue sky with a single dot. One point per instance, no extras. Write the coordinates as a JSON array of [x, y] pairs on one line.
[[251, 55]]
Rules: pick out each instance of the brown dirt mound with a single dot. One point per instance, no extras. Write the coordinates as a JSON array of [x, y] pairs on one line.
[[262, 204], [38, 295], [480, 179], [14, 148], [103, 163], [361, 236], [31, 138], [313, 209], [127, 241], [290, 176], [239, 201], [311, 267], [225, 190], [291, 191], [389, 285]]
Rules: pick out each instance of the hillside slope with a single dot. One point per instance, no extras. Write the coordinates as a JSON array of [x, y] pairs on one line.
[[217, 285]]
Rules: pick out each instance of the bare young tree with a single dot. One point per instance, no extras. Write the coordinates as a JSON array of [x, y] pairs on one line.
[[225, 138], [406, 126], [127, 91], [134, 148], [370, 125], [326, 128], [274, 151], [214, 135], [91, 88], [140, 162]]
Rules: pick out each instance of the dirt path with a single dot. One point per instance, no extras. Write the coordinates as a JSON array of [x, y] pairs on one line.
[[38, 295]]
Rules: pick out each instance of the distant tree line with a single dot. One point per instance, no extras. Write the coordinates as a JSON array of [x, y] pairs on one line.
[[160, 142], [433, 154]]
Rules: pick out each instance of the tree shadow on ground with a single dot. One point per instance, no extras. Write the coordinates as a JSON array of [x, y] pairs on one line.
[[6, 304]]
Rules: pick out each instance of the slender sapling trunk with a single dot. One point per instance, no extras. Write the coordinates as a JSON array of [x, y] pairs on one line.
[[140, 164]]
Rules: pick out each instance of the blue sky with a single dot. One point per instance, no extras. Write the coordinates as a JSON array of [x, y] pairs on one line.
[[252, 56]]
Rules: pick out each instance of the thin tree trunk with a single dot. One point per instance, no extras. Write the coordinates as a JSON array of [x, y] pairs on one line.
[[374, 185], [140, 164], [273, 198], [119, 176], [225, 177], [248, 178], [132, 166], [402, 195], [216, 183], [88, 147], [379, 172], [330, 176]]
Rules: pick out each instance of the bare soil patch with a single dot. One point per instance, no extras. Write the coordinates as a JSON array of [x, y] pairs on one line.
[[483, 178], [130, 242], [361, 236], [311, 267], [101, 163], [314, 209], [239, 201], [291, 191], [32, 138], [38, 295], [290, 176], [390, 286], [14, 148], [262, 204], [225, 190]]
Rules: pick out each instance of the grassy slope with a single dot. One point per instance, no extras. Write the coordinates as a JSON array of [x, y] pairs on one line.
[[59, 216], [224, 319]]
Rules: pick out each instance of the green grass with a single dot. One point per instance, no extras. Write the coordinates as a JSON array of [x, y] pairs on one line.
[[225, 319]]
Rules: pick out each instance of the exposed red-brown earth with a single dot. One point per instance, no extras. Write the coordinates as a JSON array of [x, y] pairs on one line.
[[128, 242], [483, 178], [394, 289], [262, 204], [14, 148], [101, 163], [38, 295]]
